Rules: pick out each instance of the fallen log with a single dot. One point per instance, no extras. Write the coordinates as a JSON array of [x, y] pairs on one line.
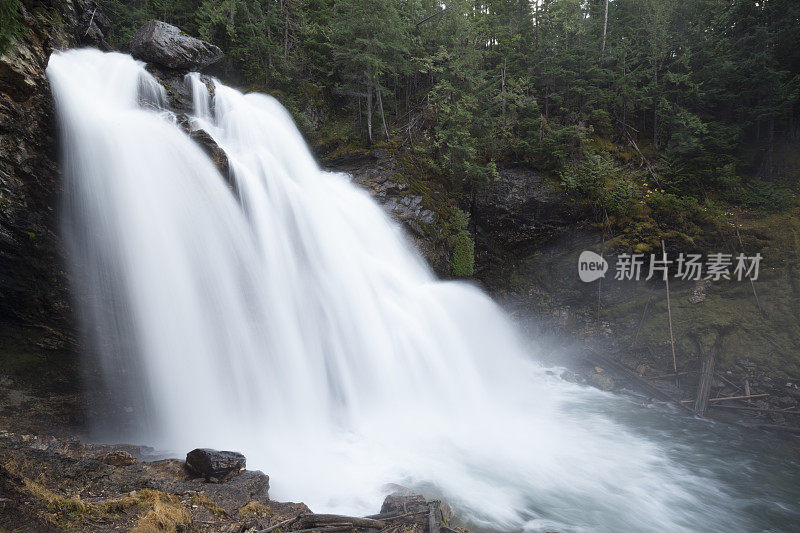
[[316, 520], [704, 384], [758, 409], [279, 524], [330, 522], [670, 375], [330, 529], [743, 397], [394, 516], [724, 398]]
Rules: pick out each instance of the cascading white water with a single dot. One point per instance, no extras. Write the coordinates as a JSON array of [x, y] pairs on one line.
[[292, 322]]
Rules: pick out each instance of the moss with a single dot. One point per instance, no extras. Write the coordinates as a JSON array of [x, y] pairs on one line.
[[10, 26], [42, 370], [729, 314], [462, 259], [20, 365]]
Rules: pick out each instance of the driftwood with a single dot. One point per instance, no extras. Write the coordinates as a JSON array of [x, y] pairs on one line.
[[330, 522], [729, 382], [670, 375], [326, 529], [316, 520], [704, 385], [279, 524], [641, 322], [643, 383], [743, 397], [721, 398], [669, 314], [775, 427], [756, 409], [394, 516], [752, 285]]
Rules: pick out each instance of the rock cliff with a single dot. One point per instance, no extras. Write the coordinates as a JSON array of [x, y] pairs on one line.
[[34, 302]]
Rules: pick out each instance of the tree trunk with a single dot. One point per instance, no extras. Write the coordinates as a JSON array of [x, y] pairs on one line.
[[655, 107], [383, 117], [286, 35], [605, 28], [369, 112], [503, 89]]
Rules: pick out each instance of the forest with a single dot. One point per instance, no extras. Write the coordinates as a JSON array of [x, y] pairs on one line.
[[699, 98]]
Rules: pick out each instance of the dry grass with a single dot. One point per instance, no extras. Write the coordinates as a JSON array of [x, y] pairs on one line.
[[204, 501], [167, 513], [159, 512], [253, 508]]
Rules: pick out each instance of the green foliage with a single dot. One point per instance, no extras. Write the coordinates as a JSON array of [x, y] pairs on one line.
[[462, 256], [596, 177], [700, 93], [462, 260], [763, 196], [10, 25]]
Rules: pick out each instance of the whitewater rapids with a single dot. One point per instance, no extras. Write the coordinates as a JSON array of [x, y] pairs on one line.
[[286, 317]]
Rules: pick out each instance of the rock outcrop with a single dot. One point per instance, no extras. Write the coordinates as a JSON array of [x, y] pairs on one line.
[[166, 45], [33, 284], [520, 207]]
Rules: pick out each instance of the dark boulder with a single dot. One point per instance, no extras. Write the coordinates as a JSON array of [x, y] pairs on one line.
[[214, 463], [166, 45]]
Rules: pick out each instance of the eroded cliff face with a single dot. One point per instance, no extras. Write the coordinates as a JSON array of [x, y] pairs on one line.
[[35, 314]]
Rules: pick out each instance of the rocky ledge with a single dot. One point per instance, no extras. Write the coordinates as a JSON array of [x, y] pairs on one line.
[[50, 484]]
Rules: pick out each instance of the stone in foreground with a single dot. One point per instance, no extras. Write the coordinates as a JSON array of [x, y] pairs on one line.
[[119, 458], [214, 463], [166, 45]]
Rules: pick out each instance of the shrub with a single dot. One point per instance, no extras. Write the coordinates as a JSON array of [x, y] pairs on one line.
[[763, 196], [462, 259]]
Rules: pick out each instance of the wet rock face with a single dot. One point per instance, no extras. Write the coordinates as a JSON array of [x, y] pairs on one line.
[[210, 147], [214, 463], [33, 284], [166, 45], [521, 207]]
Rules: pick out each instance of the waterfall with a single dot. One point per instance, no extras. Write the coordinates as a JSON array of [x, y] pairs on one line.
[[292, 321]]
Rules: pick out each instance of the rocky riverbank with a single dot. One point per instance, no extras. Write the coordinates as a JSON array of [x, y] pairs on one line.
[[50, 484]]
